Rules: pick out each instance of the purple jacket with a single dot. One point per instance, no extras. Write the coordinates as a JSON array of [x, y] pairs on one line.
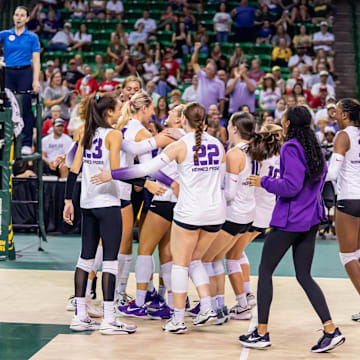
[[299, 205]]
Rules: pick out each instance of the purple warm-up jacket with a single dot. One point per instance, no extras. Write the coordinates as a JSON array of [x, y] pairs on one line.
[[299, 205]]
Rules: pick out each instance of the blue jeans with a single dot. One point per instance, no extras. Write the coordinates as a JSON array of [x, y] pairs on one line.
[[21, 80], [222, 36], [57, 47]]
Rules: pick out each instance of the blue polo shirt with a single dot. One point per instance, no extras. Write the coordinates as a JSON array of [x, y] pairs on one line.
[[18, 50], [245, 16]]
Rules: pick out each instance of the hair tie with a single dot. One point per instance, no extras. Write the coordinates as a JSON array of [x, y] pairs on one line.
[[97, 97], [130, 102]]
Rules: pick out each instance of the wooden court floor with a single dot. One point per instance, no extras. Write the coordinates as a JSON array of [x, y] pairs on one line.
[[39, 297]]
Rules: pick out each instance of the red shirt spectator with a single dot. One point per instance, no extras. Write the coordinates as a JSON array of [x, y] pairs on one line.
[[86, 86], [47, 127], [109, 85], [319, 102], [172, 65]]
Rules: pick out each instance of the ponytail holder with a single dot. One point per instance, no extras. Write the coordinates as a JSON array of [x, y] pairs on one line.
[[130, 102], [97, 97]]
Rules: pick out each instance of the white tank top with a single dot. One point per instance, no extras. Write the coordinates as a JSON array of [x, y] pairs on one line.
[[104, 195], [349, 176], [265, 201], [201, 201], [129, 133], [241, 209]]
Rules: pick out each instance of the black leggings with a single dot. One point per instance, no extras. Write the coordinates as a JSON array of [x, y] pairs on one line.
[[104, 223], [275, 247]]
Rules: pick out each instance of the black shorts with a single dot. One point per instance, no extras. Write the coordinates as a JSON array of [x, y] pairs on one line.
[[350, 207], [165, 209], [208, 228], [125, 203], [234, 228]]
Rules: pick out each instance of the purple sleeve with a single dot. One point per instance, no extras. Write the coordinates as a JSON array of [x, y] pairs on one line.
[[222, 91], [292, 180], [163, 178]]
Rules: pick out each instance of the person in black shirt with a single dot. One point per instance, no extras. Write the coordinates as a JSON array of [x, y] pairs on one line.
[[72, 75]]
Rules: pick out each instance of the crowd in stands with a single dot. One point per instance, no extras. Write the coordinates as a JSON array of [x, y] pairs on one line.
[[257, 56]]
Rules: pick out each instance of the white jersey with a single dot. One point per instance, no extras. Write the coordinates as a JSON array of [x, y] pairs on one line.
[[241, 209], [129, 133], [201, 201], [349, 175], [265, 201], [104, 195]]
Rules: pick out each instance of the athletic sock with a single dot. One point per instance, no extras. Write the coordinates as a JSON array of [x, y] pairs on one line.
[[241, 299], [125, 263], [214, 303], [88, 287], [80, 308], [140, 297], [151, 286], [220, 301], [108, 310], [162, 290], [179, 314], [205, 303], [247, 287], [170, 300]]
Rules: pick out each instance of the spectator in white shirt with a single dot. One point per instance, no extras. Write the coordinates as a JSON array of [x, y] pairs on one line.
[[150, 68], [150, 89], [222, 23], [330, 100], [53, 145], [62, 40], [315, 91], [269, 93], [189, 94], [82, 39], [114, 9], [149, 24], [300, 58], [138, 35], [323, 39]]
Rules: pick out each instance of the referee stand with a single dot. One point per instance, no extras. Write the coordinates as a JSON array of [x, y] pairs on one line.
[[10, 150]]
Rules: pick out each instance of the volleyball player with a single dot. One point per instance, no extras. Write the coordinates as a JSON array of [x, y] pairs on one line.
[[197, 216], [345, 168], [100, 212], [156, 231], [295, 222]]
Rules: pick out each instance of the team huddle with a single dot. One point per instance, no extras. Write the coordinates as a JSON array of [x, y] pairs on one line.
[[208, 204]]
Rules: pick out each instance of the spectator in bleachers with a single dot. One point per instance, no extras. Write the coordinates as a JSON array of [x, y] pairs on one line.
[[175, 98], [305, 74], [114, 9], [241, 89], [263, 14], [168, 20], [109, 84], [56, 94], [218, 57], [315, 78], [301, 101], [77, 8], [47, 126], [150, 89], [50, 68], [281, 34], [80, 66], [264, 34], [303, 38], [125, 66], [99, 73], [188, 74], [171, 65], [82, 39], [50, 25], [43, 84], [210, 90], [189, 19], [114, 49], [237, 57], [244, 22], [295, 76], [222, 23], [123, 36], [161, 111], [53, 145], [298, 89], [268, 119], [137, 35], [281, 54], [62, 40], [202, 37], [315, 90], [222, 75], [321, 125], [330, 100], [300, 12], [323, 39], [75, 120], [58, 66], [87, 85], [190, 92], [269, 93], [290, 100], [299, 58], [255, 72], [180, 40], [97, 9], [150, 68], [34, 24], [280, 108], [319, 102], [320, 11], [139, 52], [164, 82], [214, 128], [149, 24], [72, 75], [323, 58], [280, 82]]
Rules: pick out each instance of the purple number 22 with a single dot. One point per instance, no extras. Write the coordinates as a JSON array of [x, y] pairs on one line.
[[210, 152]]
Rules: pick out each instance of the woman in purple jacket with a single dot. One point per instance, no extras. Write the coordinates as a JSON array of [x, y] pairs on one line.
[[298, 212]]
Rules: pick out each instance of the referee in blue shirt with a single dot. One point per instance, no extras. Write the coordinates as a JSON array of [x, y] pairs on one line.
[[21, 50]]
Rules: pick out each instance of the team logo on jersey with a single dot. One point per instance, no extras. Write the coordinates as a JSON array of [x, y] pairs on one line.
[[12, 37]]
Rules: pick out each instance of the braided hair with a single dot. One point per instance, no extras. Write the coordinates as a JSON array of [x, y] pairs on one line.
[[352, 107], [299, 128], [195, 113]]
